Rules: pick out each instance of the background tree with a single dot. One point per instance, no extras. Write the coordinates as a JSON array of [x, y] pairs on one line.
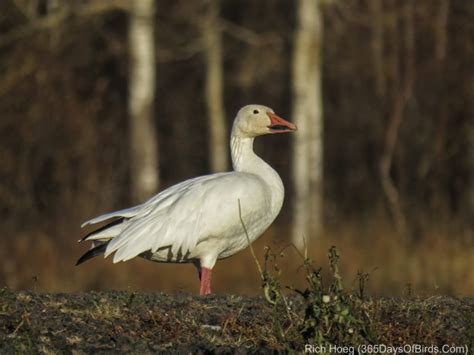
[[307, 112], [143, 138], [218, 142], [402, 83]]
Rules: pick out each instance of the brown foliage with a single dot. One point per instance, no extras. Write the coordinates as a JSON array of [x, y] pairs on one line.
[[63, 128]]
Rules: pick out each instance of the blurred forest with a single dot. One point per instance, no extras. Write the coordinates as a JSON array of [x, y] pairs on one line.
[[398, 136]]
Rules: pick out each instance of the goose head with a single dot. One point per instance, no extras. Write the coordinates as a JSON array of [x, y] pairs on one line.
[[256, 120]]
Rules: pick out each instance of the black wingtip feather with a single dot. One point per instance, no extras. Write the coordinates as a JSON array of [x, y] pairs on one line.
[[98, 250], [108, 225]]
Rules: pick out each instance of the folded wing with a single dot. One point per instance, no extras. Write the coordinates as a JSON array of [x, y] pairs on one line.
[[190, 212]]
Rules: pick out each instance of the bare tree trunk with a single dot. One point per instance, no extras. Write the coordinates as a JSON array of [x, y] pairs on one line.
[[32, 8], [376, 10], [402, 95], [442, 30], [308, 115], [143, 138], [211, 32], [53, 6], [470, 187]]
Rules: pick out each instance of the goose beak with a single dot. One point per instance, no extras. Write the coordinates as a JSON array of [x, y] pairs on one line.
[[280, 125]]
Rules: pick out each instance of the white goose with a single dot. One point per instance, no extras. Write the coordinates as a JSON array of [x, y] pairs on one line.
[[198, 220]]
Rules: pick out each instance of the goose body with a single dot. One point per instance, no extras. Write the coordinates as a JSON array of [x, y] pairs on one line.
[[198, 220]]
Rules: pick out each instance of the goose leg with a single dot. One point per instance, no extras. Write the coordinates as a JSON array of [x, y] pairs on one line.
[[205, 277]]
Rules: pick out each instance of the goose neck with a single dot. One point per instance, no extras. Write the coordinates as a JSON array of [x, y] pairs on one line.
[[245, 160], [243, 156]]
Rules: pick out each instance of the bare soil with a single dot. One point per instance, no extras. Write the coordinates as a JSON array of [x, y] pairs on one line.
[[120, 321]]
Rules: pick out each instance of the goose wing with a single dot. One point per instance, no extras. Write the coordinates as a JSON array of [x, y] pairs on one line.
[[190, 212]]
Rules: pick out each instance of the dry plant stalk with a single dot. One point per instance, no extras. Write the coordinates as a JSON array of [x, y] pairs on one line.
[[263, 274]]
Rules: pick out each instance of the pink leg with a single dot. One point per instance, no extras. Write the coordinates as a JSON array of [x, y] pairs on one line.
[[205, 276]]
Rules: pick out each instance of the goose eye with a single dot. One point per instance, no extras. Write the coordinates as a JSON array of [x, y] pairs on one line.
[[255, 112]]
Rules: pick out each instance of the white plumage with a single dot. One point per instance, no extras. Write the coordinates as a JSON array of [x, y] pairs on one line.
[[198, 220]]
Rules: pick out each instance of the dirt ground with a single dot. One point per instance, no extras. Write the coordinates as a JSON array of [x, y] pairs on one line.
[[120, 321]]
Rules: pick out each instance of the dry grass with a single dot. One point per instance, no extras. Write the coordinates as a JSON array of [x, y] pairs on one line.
[[439, 263]]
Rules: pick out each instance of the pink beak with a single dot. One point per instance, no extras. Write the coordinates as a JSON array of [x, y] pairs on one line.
[[280, 125]]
